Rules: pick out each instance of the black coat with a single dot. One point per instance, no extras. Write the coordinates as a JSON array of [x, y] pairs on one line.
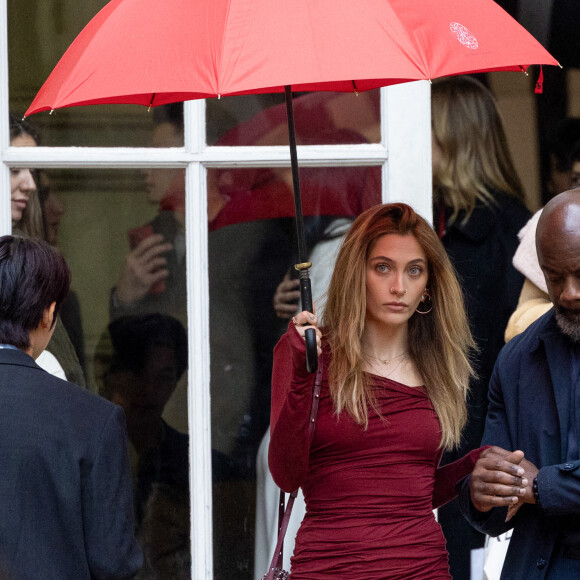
[[65, 486], [530, 401], [481, 251]]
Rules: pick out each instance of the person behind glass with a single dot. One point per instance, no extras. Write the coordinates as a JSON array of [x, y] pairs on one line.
[[149, 356], [61, 358], [153, 276], [478, 212], [561, 153], [52, 210], [25, 208], [395, 357], [65, 485]]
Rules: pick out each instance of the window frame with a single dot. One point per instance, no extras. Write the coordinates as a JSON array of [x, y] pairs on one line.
[[404, 155]]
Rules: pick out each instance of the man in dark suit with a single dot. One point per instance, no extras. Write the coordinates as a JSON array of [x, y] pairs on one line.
[[65, 489], [534, 406]]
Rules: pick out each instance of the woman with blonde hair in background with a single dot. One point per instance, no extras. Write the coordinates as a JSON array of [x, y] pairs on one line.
[[395, 357], [478, 211]]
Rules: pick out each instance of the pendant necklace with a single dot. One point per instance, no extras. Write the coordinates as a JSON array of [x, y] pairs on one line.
[[386, 361]]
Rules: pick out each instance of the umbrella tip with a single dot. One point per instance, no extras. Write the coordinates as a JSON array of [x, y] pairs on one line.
[[51, 111], [219, 96], [23, 118], [560, 65]]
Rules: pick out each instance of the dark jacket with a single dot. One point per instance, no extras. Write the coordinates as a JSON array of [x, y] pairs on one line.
[[65, 486], [529, 408], [481, 251]]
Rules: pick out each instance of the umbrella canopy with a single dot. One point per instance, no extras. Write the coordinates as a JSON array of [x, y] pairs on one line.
[[152, 53], [149, 52]]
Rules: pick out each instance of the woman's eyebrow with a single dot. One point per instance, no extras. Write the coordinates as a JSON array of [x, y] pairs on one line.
[[387, 259]]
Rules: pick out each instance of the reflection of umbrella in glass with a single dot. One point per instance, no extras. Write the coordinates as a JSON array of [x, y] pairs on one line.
[[152, 53], [320, 118]]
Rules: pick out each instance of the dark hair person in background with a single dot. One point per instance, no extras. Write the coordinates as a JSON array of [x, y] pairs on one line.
[[149, 355], [478, 212], [65, 486], [562, 143]]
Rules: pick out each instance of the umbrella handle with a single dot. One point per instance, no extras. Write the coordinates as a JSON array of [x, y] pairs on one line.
[[310, 334]]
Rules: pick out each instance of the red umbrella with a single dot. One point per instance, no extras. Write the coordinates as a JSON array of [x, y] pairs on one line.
[[152, 53]]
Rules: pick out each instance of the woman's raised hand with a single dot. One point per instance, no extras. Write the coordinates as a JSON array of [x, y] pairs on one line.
[[305, 320]]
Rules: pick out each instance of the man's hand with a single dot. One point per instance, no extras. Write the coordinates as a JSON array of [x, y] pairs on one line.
[[286, 297], [530, 472], [498, 479], [144, 267]]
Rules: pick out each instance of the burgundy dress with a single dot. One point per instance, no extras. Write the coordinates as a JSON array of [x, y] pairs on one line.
[[369, 493]]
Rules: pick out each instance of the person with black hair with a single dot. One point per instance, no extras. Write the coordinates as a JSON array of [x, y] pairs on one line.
[[65, 486], [562, 143], [149, 355]]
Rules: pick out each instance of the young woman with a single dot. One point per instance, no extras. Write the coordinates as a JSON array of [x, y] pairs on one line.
[[395, 353], [61, 358], [25, 205]]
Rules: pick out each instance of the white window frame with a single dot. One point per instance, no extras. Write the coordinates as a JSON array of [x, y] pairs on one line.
[[404, 154]]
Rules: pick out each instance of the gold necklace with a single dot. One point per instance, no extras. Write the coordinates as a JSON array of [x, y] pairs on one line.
[[386, 361]]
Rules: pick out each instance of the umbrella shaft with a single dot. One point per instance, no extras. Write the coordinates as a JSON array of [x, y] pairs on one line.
[[301, 238]]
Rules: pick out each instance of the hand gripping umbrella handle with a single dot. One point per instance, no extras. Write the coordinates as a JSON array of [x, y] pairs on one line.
[[310, 334]]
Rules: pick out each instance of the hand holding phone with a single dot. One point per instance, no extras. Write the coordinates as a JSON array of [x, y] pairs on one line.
[[145, 268]]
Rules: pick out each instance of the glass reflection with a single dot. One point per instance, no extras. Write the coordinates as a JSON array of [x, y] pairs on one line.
[[148, 357], [320, 119], [251, 252], [134, 353]]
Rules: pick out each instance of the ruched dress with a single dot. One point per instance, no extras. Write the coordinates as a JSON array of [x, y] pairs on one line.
[[369, 493]]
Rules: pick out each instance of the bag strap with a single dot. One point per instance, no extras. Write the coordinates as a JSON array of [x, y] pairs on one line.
[[284, 514]]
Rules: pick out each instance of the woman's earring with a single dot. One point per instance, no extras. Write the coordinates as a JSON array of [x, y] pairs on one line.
[[426, 301]]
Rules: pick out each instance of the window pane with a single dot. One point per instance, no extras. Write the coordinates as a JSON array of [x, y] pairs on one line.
[[127, 332], [320, 119], [38, 34], [251, 250]]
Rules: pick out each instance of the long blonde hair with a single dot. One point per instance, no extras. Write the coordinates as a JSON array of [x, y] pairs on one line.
[[475, 158], [439, 342]]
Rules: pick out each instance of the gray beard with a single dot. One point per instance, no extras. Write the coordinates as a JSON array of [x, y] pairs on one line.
[[570, 327]]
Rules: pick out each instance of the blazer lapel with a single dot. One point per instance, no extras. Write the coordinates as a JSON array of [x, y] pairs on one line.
[[560, 363]]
